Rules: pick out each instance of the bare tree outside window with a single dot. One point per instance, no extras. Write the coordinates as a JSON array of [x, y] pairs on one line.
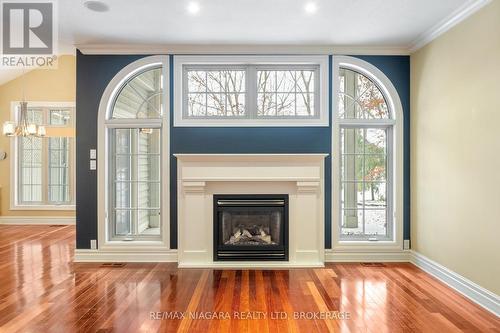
[[272, 91], [218, 93], [285, 93]]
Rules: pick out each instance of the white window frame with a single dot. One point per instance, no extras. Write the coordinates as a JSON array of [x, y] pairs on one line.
[[105, 122], [396, 122], [14, 163], [180, 62]]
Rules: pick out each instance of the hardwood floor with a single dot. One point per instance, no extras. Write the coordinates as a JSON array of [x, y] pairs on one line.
[[41, 290]]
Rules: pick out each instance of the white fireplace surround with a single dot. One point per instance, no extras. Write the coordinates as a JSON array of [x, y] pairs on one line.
[[301, 176]]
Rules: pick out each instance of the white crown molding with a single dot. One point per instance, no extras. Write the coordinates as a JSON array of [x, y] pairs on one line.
[[186, 49], [460, 14], [463, 12], [464, 286], [84, 255], [37, 220], [368, 256]]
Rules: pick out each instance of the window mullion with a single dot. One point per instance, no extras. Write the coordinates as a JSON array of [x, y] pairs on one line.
[[45, 160], [251, 91]]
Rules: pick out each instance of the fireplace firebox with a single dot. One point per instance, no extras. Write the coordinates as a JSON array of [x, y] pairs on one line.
[[251, 227]]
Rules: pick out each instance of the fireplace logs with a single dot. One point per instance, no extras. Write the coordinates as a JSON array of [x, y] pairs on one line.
[[256, 234]]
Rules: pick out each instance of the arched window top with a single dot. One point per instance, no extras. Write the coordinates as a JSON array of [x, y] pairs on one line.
[[360, 97], [140, 96], [365, 93]]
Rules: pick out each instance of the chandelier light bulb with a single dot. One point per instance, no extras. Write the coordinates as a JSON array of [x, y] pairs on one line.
[[31, 129], [9, 128]]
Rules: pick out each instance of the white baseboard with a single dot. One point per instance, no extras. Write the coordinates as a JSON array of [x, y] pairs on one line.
[[399, 256], [37, 220], [82, 255], [483, 297]]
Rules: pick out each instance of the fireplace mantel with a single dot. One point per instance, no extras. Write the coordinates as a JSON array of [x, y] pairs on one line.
[[200, 176]]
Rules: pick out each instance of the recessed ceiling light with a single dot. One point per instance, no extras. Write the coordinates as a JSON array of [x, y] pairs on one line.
[[96, 6], [193, 8], [311, 8]]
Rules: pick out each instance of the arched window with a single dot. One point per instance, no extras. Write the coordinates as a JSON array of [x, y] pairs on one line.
[[367, 130], [134, 138]]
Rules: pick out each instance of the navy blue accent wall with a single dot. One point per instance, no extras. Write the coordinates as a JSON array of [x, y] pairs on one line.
[[94, 72]]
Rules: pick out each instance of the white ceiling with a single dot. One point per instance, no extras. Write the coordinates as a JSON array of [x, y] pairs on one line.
[[336, 22], [378, 24]]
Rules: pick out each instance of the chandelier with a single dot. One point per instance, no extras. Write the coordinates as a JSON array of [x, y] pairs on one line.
[[23, 127]]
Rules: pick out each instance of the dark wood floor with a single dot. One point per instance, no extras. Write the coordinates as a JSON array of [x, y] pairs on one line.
[[41, 290]]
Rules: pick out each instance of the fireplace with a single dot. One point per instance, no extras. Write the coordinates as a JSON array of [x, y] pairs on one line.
[[251, 227]]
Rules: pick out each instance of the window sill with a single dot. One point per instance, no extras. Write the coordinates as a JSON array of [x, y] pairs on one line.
[[43, 207], [137, 246], [362, 246]]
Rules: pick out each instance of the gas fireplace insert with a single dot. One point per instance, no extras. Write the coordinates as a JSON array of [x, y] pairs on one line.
[[251, 227]]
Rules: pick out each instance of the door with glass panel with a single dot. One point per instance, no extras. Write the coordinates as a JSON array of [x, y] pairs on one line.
[[135, 159]]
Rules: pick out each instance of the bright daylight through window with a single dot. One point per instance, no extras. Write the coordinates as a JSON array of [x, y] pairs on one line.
[[135, 131], [45, 165], [366, 150], [275, 93], [283, 91]]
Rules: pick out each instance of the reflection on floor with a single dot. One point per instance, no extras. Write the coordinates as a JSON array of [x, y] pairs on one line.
[[41, 290]]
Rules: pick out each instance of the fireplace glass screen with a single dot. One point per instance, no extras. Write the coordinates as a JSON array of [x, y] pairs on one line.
[[250, 227]]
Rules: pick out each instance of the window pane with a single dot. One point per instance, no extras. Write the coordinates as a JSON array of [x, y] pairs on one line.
[[148, 222], [123, 220], [141, 97], [352, 223], [364, 193], [60, 117], [123, 194], [375, 223], [352, 167], [43, 173], [30, 169], [235, 104], [285, 104], [35, 116], [136, 181], [352, 195], [360, 98], [197, 105], [292, 91], [266, 81], [375, 167], [58, 169], [215, 93], [285, 81], [375, 195], [352, 140], [305, 105], [375, 140], [216, 105]]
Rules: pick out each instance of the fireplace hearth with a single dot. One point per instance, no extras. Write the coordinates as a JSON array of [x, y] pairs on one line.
[[250, 227]]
